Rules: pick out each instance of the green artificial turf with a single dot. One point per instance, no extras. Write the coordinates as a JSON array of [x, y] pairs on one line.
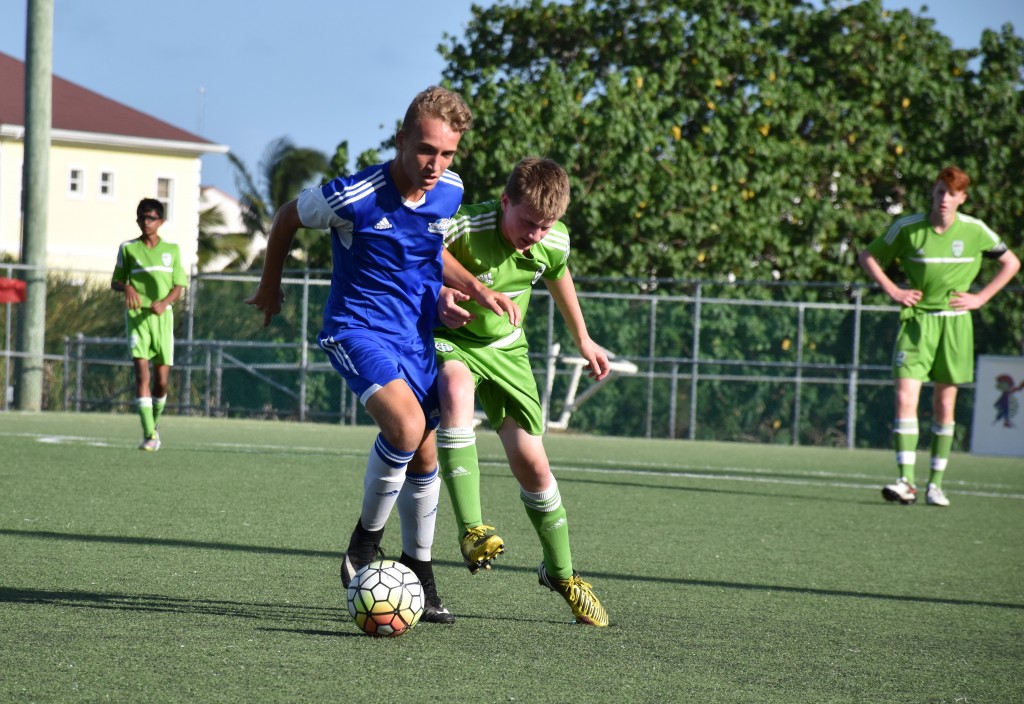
[[208, 571]]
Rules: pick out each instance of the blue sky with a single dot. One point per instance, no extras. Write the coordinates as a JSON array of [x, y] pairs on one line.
[[245, 73]]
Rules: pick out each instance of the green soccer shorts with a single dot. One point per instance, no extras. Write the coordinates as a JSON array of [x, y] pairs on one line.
[[151, 336], [503, 379], [938, 348]]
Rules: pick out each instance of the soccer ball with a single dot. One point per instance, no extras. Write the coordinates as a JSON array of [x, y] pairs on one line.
[[385, 598]]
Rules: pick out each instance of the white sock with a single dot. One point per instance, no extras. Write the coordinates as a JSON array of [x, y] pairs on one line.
[[385, 475], [417, 509]]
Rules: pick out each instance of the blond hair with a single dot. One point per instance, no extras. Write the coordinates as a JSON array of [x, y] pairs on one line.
[[441, 104], [540, 184]]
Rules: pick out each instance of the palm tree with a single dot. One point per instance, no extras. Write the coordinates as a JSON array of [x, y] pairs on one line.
[[285, 170], [216, 246]]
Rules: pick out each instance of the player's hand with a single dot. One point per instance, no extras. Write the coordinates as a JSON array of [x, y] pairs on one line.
[[267, 300], [907, 297], [448, 309], [131, 298], [158, 307], [598, 358], [499, 304], [964, 300]]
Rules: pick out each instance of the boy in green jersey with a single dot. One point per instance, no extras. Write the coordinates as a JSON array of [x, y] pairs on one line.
[[508, 245], [940, 253], [149, 273]]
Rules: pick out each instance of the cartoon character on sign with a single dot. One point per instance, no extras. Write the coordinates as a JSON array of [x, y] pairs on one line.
[[1006, 405]]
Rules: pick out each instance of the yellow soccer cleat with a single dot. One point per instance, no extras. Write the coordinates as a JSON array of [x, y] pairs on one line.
[[479, 548], [580, 595]]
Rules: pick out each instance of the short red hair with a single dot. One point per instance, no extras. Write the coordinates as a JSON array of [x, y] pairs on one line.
[[954, 178]]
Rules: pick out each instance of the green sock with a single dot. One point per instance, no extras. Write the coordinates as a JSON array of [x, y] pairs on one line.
[[549, 520], [145, 406], [905, 435], [158, 409], [460, 471], [941, 448]]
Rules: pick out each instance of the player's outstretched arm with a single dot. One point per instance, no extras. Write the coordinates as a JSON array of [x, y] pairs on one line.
[[563, 291], [1009, 265], [458, 277], [908, 297], [268, 295]]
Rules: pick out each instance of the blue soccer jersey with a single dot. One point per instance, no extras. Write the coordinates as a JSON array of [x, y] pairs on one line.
[[387, 251]]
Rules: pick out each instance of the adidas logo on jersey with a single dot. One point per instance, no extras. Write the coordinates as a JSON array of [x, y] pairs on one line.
[[382, 224]]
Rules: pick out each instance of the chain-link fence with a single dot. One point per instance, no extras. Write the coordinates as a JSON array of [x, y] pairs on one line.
[[756, 362]]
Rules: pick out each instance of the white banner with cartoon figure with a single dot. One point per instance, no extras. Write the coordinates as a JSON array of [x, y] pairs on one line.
[[998, 407]]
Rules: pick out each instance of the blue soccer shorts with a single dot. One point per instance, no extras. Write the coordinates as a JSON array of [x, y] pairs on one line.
[[368, 361]]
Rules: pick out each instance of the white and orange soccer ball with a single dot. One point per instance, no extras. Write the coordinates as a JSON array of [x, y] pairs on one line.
[[385, 598]]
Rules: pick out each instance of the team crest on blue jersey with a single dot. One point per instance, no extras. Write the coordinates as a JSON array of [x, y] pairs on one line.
[[440, 227], [166, 259], [958, 248]]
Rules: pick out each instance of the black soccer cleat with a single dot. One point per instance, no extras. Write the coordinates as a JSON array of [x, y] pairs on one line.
[[363, 548]]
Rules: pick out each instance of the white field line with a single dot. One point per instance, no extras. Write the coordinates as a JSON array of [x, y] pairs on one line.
[[639, 469]]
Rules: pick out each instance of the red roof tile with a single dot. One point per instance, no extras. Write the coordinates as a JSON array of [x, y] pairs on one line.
[[79, 109]]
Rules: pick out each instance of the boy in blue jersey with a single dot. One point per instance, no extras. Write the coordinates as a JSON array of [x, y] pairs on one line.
[[387, 226]]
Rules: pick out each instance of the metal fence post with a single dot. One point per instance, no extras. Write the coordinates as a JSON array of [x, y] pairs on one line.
[[66, 391], [304, 347], [798, 383], [208, 367], [851, 391], [190, 321], [652, 330], [674, 391], [218, 381], [79, 365], [695, 364]]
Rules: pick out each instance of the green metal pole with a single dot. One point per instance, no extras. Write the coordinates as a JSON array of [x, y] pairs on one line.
[[35, 190]]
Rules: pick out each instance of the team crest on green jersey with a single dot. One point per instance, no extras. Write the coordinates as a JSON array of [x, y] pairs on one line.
[[958, 248], [166, 259]]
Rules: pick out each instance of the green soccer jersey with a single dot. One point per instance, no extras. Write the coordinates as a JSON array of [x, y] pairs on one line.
[[475, 239], [936, 264], [152, 272]]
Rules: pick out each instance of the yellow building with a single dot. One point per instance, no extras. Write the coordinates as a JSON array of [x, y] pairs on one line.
[[104, 158]]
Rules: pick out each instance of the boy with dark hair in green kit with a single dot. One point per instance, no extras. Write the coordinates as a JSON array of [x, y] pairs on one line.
[[150, 274]]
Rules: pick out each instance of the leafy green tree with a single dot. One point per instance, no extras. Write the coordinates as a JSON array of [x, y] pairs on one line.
[[738, 140]]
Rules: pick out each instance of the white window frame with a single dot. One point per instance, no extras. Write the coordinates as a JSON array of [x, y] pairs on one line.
[[111, 185], [168, 199], [76, 185]]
